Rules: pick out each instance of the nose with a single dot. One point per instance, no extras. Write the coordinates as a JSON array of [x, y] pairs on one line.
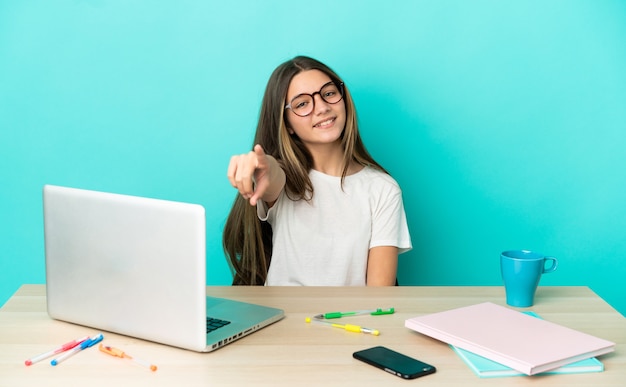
[[320, 106]]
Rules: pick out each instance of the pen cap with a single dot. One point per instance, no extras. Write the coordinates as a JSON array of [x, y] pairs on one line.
[[91, 342], [380, 312]]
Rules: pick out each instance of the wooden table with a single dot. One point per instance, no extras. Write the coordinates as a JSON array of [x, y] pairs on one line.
[[292, 352]]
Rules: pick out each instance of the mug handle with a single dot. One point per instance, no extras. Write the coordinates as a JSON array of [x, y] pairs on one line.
[[552, 267]]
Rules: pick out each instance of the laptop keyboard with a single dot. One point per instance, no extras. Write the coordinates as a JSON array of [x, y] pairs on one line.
[[214, 323]]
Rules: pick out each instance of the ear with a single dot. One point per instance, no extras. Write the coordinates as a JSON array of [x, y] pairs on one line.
[[288, 126]]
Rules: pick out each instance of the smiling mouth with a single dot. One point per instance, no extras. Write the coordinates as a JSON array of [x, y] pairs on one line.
[[325, 123]]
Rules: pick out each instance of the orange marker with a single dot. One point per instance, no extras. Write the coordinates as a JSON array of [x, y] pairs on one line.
[[119, 353]]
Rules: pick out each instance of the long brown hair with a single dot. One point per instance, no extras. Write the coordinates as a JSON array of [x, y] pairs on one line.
[[247, 241]]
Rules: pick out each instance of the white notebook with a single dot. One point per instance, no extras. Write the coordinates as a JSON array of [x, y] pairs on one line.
[[524, 343]]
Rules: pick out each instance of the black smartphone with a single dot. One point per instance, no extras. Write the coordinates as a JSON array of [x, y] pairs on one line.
[[395, 363]]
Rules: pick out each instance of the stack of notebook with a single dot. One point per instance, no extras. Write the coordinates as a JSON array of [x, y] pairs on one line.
[[497, 341], [486, 368]]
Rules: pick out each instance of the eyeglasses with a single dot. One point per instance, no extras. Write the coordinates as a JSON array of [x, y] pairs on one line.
[[303, 104]]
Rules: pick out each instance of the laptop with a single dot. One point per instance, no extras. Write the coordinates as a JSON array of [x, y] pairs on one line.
[[137, 266]]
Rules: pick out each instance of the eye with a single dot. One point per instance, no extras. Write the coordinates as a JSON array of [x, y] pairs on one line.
[[301, 102], [300, 105]]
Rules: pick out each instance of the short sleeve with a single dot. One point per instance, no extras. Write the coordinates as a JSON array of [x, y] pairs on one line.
[[389, 224]]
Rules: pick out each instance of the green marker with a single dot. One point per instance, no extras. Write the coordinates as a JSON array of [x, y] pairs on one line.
[[373, 312]]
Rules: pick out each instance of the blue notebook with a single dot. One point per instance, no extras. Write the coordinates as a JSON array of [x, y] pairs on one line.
[[486, 368]]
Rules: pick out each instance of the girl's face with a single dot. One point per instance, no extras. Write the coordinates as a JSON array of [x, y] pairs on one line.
[[326, 122]]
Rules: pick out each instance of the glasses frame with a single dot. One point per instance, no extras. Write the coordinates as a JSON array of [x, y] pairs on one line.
[[339, 86]]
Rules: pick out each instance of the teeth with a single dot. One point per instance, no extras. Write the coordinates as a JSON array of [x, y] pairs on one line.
[[328, 121]]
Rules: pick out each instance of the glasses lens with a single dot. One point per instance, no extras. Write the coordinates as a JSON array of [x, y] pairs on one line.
[[331, 93], [302, 105]]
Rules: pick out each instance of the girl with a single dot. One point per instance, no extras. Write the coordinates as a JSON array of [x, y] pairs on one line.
[[314, 208]]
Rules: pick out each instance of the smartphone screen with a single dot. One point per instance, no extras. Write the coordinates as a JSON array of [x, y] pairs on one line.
[[395, 363]]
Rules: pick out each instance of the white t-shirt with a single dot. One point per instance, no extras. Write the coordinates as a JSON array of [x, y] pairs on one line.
[[326, 241]]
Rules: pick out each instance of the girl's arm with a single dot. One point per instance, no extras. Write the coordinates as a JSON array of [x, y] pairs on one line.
[[382, 266]]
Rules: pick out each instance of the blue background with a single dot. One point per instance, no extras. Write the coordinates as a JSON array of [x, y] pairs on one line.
[[503, 121]]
